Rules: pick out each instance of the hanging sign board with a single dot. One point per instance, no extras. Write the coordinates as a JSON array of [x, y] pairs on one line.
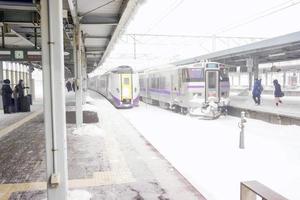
[[18, 4]]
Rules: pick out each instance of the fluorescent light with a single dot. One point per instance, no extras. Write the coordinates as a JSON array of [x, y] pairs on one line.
[[277, 54]]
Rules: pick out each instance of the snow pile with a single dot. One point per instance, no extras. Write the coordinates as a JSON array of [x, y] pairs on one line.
[[207, 153], [89, 130], [86, 107], [79, 195], [89, 107], [89, 99]]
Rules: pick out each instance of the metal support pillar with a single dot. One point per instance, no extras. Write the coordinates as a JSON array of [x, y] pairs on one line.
[[6, 71], [252, 66], [31, 85], [54, 99], [84, 82], [3, 36], [284, 79], [134, 47], [78, 74], [1, 79], [13, 74]]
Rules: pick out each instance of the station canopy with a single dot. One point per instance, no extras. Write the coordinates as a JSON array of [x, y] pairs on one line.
[[101, 22]]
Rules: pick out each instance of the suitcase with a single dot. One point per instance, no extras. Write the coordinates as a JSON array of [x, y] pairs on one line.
[[30, 98], [12, 107], [24, 104]]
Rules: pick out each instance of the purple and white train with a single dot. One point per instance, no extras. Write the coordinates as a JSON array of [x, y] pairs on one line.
[[119, 85], [186, 88]]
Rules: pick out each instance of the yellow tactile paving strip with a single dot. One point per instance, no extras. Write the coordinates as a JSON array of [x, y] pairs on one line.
[[119, 174]]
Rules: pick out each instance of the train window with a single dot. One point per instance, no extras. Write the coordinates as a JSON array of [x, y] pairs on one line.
[[193, 75], [126, 81], [152, 82], [212, 65], [162, 83], [212, 81]]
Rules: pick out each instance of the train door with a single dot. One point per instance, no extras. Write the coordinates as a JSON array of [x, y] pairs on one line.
[[126, 88], [212, 85]]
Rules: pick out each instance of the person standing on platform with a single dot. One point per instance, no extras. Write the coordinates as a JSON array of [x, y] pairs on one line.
[[6, 95], [256, 92], [19, 89], [69, 86], [277, 92], [19, 93]]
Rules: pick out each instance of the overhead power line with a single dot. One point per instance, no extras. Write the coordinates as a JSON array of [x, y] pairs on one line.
[[98, 7], [173, 8], [262, 14]]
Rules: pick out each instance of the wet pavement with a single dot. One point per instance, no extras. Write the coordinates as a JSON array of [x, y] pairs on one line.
[[120, 164]]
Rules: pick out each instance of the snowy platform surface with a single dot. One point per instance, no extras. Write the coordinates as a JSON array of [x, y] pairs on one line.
[[8, 119], [207, 153], [107, 160], [290, 106]]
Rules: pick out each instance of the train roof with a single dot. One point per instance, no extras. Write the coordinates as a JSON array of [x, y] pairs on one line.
[[172, 66], [122, 69]]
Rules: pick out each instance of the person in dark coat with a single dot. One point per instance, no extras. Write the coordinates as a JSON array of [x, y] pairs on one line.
[[257, 90], [73, 85], [19, 89], [19, 94], [69, 86], [277, 92], [6, 95]]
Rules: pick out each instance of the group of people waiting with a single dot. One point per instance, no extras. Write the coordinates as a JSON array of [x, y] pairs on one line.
[[258, 89], [7, 92], [70, 86]]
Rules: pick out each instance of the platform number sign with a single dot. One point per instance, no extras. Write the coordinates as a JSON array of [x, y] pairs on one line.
[[18, 2], [19, 55]]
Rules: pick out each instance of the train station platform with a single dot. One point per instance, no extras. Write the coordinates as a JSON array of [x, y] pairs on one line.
[[109, 159], [8, 122], [287, 113]]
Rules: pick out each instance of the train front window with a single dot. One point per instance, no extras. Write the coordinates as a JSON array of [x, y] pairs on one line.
[[192, 75], [212, 81], [126, 81]]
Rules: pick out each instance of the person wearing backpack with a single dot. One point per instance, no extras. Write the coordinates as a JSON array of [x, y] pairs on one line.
[[256, 92], [277, 92]]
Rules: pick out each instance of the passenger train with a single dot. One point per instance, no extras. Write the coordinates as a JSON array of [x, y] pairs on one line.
[[119, 85], [187, 88]]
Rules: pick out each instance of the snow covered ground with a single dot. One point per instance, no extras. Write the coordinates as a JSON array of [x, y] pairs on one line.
[[207, 153]]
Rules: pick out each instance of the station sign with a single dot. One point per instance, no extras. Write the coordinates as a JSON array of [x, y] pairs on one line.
[[24, 55], [17, 2]]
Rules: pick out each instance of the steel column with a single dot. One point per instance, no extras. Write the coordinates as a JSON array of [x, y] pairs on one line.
[[54, 99], [78, 74], [1, 79], [31, 85], [252, 66]]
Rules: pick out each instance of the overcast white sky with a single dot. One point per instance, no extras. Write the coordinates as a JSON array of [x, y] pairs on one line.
[[255, 18]]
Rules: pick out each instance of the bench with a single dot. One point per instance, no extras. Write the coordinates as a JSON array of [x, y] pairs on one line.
[[251, 189]]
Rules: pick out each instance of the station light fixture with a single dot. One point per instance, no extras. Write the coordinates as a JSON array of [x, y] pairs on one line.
[[277, 54]]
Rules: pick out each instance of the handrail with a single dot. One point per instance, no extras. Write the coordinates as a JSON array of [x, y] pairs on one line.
[[250, 189]]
